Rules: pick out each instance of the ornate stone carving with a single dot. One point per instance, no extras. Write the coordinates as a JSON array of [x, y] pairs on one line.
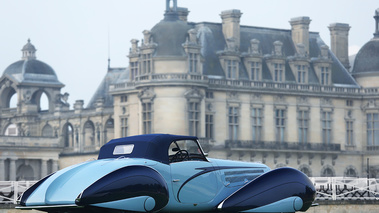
[[147, 94], [278, 48], [194, 93]]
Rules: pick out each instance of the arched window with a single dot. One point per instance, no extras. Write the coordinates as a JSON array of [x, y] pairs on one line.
[[43, 103], [350, 172], [8, 98], [47, 131], [89, 134], [11, 130], [109, 130], [306, 170], [13, 101], [68, 135], [327, 172], [25, 172]]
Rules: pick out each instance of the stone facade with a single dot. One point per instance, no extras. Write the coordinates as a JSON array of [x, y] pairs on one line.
[[253, 94]]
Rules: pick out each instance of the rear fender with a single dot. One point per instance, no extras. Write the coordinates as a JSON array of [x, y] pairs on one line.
[[271, 187]]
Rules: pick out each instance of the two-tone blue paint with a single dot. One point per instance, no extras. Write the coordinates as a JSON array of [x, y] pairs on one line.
[[132, 183]]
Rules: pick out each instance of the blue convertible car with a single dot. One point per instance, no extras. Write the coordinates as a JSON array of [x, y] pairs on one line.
[[168, 173]]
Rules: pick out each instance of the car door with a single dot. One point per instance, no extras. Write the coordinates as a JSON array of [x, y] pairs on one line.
[[194, 180]]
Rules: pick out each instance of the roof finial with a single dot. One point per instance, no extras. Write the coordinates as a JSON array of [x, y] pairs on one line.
[[28, 51], [376, 17], [174, 6], [171, 13]]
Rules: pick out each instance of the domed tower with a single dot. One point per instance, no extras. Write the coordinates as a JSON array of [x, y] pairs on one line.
[[366, 65], [29, 79]]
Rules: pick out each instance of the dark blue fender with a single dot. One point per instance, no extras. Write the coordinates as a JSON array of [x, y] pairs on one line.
[[127, 182], [270, 187]]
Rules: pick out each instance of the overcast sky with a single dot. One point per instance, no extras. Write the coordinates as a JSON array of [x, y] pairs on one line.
[[72, 35]]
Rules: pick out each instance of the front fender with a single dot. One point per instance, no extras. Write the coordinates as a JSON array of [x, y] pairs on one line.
[[124, 183]]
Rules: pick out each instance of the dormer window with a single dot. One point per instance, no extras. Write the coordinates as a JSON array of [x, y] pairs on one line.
[[193, 62], [325, 76], [232, 69], [146, 63], [255, 71], [302, 74], [278, 72], [133, 70]]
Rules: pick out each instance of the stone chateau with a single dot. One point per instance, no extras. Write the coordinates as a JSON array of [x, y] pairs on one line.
[[279, 96]]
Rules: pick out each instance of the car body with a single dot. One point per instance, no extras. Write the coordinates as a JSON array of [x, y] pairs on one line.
[[168, 173]]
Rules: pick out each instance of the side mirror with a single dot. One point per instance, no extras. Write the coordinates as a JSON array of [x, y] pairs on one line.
[[175, 149]]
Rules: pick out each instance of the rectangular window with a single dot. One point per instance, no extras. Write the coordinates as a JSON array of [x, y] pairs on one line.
[[325, 75], [326, 125], [303, 121], [193, 62], [232, 69], [349, 103], [194, 118], [123, 149], [280, 122], [124, 98], [209, 95], [278, 72], [233, 120], [124, 127], [146, 63], [255, 70], [349, 133], [147, 116], [257, 122], [209, 126], [301, 74], [373, 129]]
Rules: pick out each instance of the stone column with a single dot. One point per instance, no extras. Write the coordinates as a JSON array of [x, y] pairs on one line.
[[55, 166], [12, 169], [2, 169], [43, 168]]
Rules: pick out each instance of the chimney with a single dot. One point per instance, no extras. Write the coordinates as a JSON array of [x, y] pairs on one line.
[[339, 42], [183, 13], [300, 31], [78, 106], [231, 25]]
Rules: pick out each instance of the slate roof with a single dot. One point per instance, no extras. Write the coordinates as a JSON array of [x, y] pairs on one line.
[[112, 77], [367, 59], [170, 34], [32, 71]]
